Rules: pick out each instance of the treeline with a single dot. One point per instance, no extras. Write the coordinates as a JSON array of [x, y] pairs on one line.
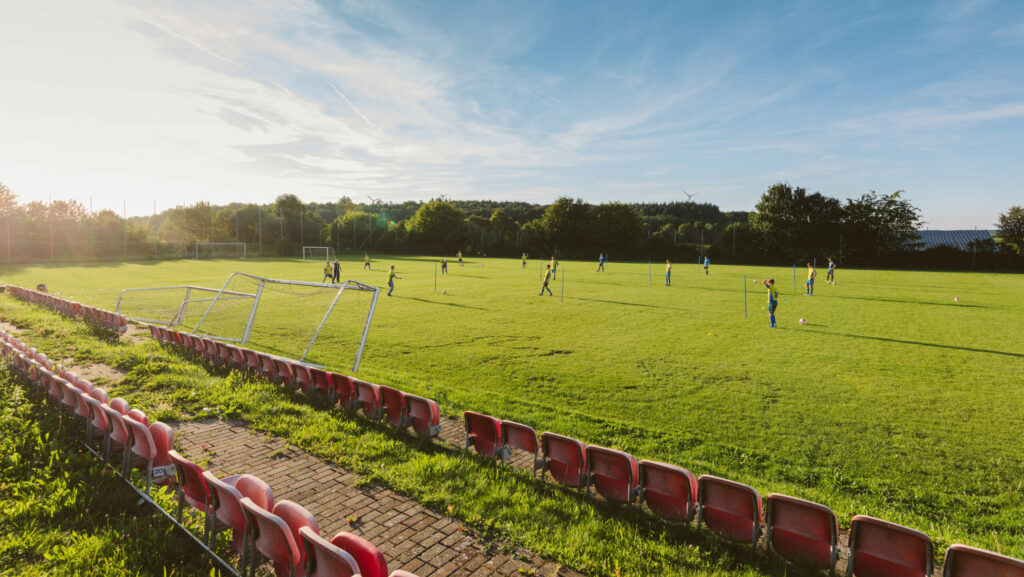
[[788, 225]]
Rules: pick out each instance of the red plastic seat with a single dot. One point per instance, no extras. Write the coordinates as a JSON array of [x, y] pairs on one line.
[[191, 488], [882, 549], [69, 396], [801, 530], [150, 445], [614, 474], [223, 356], [118, 436], [225, 503], [964, 561], [276, 534], [367, 397], [252, 361], [301, 378], [154, 333], [424, 416], [729, 508], [517, 436], [483, 433], [209, 350], [565, 458], [97, 420], [320, 382], [267, 368], [120, 405], [283, 374], [392, 402], [668, 490], [400, 573], [371, 562], [236, 358], [343, 390], [324, 559]]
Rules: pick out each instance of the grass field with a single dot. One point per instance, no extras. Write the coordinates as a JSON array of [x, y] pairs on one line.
[[893, 400]]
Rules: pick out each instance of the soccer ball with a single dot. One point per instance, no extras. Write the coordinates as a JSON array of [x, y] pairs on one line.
[[444, 292], [803, 321], [956, 300]]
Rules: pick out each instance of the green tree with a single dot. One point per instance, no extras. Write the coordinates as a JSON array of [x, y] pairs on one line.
[[564, 225], [615, 227], [875, 225], [801, 225], [438, 225], [1011, 228]]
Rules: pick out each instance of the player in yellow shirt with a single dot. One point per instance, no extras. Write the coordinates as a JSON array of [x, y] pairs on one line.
[[811, 273], [547, 278], [391, 279], [459, 254], [773, 299], [668, 273], [366, 261], [524, 260], [328, 272], [444, 266]]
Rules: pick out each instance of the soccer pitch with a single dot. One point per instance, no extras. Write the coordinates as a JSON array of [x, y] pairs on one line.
[[893, 400]]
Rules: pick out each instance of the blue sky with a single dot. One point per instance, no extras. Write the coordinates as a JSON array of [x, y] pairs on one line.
[[176, 102]]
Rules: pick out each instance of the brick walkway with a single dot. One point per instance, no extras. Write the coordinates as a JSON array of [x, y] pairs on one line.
[[410, 536]]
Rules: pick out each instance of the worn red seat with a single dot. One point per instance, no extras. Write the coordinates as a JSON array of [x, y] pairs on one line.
[[320, 382], [392, 403], [964, 561], [371, 562], [209, 350], [191, 488], [367, 397], [301, 378], [283, 374], [154, 333], [252, 361], [424, 416], [668, 490], [801, 530], [882, 549], [614, 474], [223, 356], [483, 433], [237, 361], [324, 559], [267, 368], [565, 458], [521, 437], [276, 534], [225, 503], [731, 509], [150, 445], [118, 436], [97, 419], [343, 390]]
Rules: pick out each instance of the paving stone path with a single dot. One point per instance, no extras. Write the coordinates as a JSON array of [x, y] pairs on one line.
[[410, 536]]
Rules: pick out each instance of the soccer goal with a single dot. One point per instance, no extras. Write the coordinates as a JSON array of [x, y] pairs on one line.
[[320, 253], [312, 322], [218, 250], [178, 307]]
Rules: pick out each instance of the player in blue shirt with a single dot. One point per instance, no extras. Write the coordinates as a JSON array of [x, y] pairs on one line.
[[707, 261], [830, 277], [668, 273], [773, 300], [544, 287], [600, 263], [391, 279]]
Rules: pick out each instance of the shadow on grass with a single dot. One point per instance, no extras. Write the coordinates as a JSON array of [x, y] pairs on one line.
[[911, 302], [642, 305], [922, 344], [445, 304]]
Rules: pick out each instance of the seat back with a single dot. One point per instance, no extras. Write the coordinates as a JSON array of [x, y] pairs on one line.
[[343, 389], [267, 368], [424, 416], [120, 405], [191, 485], [392, 401], [368, 398], [118, 428], [882, 548], [964, 561], [801, 530], [237, 358], [283, 374], [371, 562], [324, 559], [223, 354], [209, 349], [225, 502], [729, 508], [320, 382], [142, 441], [301, 377], [272, 537], [483, 433], [565, 458], [519, 437], [668, 490], [614, 474], [252, 360], [97, 417]]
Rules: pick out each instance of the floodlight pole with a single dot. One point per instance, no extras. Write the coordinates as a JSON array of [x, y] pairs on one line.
[[260, 219]]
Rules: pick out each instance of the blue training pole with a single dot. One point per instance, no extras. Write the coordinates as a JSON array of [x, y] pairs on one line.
[[650, 274], [435, 277], [794, 280], [744, 296], [562, 296]]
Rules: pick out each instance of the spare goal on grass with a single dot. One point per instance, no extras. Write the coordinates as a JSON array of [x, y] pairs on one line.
[[290, 318], [219, 250], [324, 253], [174, 306]]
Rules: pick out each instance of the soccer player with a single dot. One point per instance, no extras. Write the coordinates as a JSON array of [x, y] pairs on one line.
[[668, 273], [444, 266], [328, 272], [544, 287], [600, 263], [337, 272], [391, 279], [366, 261], [707, 261], [554, 269], [459, 254], [524, 260], [830, 277], [773, 300], [811, 273]]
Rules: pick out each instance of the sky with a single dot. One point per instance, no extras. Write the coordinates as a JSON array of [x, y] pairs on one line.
[[143, 104]]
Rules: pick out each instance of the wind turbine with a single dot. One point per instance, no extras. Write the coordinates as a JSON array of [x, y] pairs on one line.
[[688, 195], [375, 201]]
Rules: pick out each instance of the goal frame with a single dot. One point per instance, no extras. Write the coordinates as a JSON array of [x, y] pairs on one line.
[[196, 245], [176, 319], [328, 249], [347, 285]]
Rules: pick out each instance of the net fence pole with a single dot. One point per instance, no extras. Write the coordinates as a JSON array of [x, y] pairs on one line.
[[794, 280], [744, 296], [650, 274], [562, 296], [435, 277]]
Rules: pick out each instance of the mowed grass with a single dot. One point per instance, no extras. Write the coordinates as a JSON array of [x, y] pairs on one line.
[[893, 400]]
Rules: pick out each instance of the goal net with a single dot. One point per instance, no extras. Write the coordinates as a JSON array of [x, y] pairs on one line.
[[218, 250], [311, 322], [320, 253], [174, 306]]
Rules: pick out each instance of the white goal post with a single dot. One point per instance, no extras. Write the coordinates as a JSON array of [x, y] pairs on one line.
[[322, 253], [218, 250]]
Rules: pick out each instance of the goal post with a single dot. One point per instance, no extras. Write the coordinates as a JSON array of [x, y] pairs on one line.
[[321, 253], [218, 250], [173, 306]]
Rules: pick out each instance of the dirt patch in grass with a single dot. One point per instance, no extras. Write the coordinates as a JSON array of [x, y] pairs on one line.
[[10, 328], [98, 374]]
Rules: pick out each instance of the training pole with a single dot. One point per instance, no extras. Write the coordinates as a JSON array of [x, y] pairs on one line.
[[435, 277], [744, 296], [562, 296], [650, 274], [794, 280]]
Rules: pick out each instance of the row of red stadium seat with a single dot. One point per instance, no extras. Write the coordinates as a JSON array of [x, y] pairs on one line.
[[113, 322], [285, 533], [798, 530], [377, 402]]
